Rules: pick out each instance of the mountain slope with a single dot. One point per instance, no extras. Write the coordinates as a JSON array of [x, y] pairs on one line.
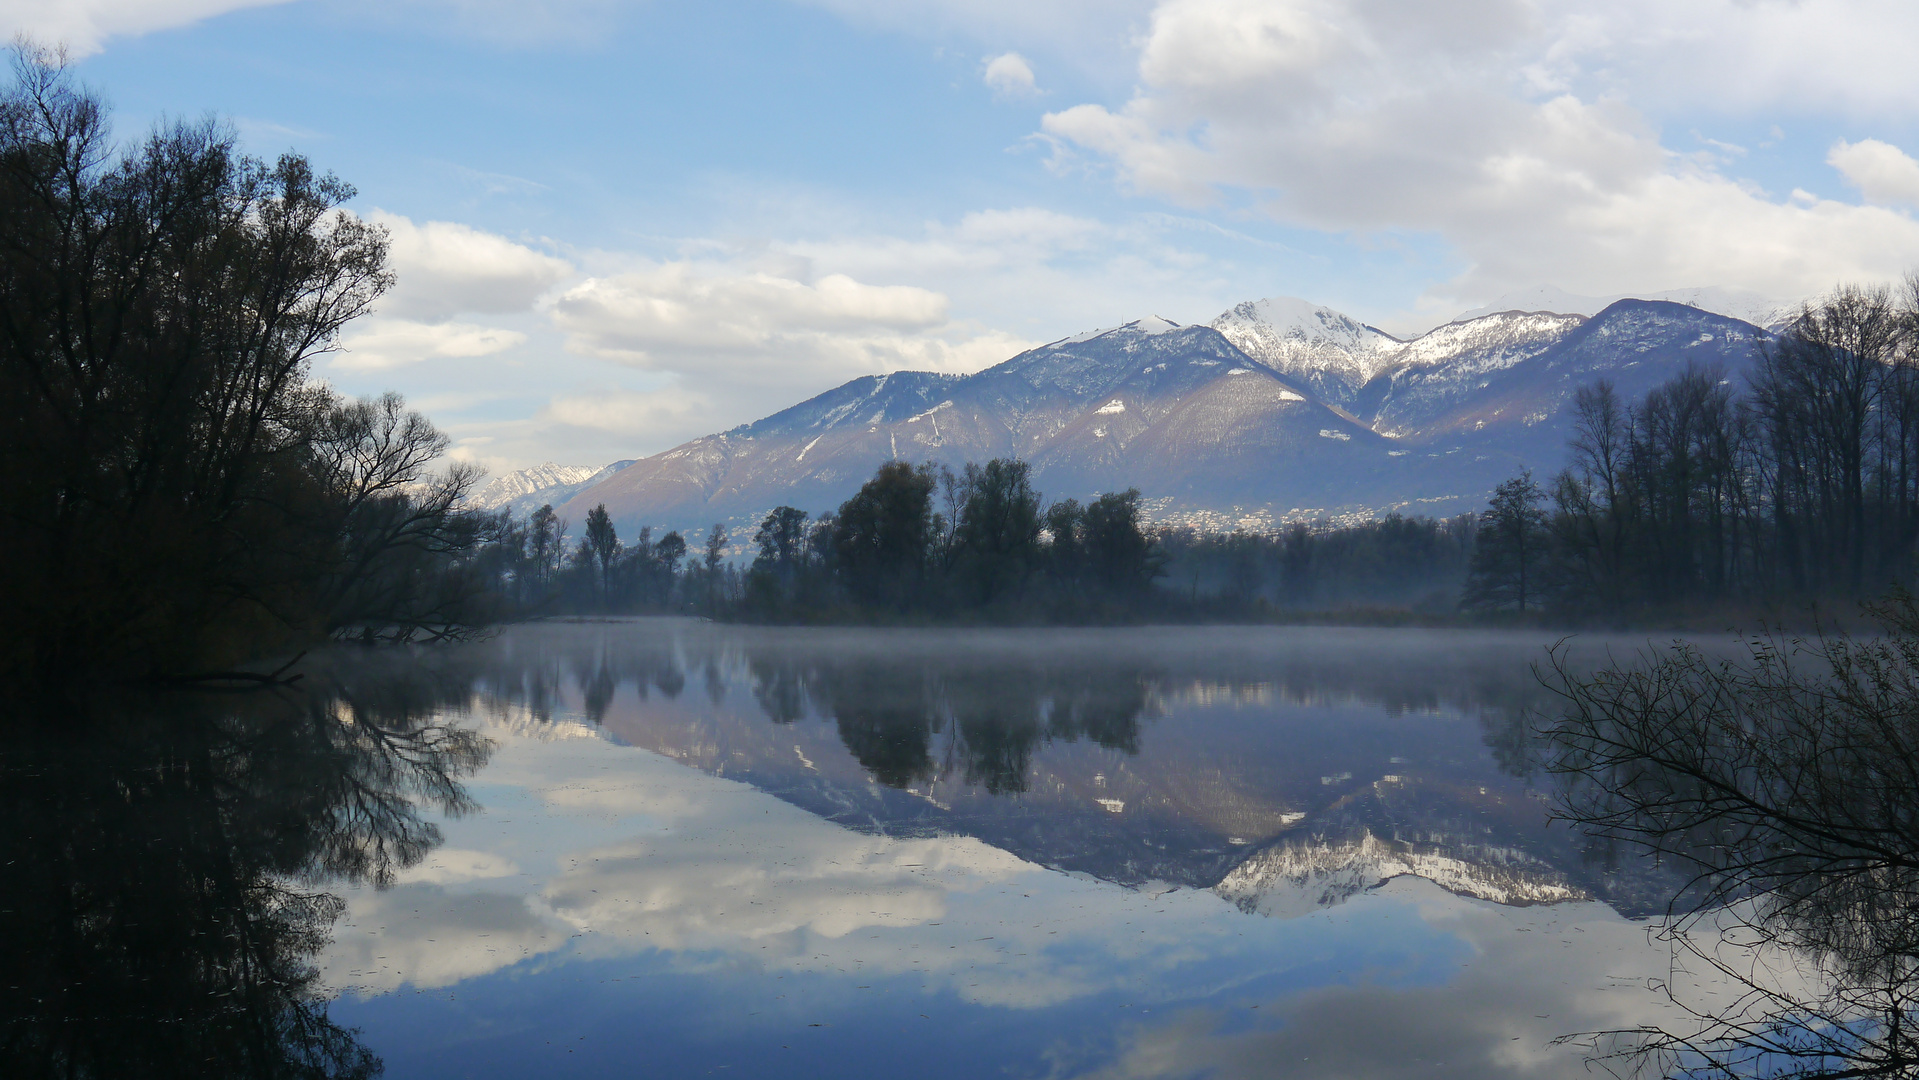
[[1447, 365], [1209, 434], [1521, 409], [807, 456], [1174, 410]]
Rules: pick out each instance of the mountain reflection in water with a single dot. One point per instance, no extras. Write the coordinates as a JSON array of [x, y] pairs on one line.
[[164, 857], [836, 833], [1038, 743]]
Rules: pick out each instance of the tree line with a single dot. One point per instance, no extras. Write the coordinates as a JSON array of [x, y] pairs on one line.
[[916, 541], [924, 541], [1795, 484]]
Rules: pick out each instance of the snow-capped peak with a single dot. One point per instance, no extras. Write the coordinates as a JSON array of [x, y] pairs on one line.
[[1333, 352], [514, 485], [1302, 320], [1149, 326]]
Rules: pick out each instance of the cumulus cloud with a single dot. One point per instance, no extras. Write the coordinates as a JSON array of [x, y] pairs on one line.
[[1489, 123], [1009, 75], [445, 268], [83, 26], [1882, 172], [382, 343]]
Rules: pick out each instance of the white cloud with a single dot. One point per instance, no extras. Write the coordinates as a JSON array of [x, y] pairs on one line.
[[709, 322], [445, 268], [1009, 75], [1882, 172], [679, 305], [1851, 56], [432, 936], [1462, 122], [630, 411], [83, 26], [380, 343]]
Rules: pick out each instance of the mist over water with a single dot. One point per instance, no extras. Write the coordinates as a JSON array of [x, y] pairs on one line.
[[673, 847]]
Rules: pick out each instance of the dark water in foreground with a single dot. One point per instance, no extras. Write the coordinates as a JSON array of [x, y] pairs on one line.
[[695, 850]]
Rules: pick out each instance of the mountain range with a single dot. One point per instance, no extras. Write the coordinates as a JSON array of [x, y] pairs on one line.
[[1277, 410]]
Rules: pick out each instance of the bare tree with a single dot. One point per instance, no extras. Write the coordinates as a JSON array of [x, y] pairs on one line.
[[1788, 784]]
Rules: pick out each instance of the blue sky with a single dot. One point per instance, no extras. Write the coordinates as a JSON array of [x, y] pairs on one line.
[[622, 225]]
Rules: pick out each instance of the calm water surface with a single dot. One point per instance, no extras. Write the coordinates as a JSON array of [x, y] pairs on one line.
[[703, 850]]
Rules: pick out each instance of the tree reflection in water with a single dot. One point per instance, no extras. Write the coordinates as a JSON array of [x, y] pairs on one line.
[[1787, 784], [986, 718], [165, 861]]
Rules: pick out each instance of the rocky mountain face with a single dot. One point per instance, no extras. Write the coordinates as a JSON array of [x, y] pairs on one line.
[[1279, 410]]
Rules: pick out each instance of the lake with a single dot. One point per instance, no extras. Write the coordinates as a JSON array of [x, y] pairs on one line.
[[664, 847]]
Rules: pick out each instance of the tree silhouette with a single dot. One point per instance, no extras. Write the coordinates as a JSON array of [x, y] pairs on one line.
[[1511, 547]]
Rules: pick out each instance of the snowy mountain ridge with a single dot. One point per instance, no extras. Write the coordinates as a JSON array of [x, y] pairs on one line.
[[1742, 304], [1343, 359], [1331, 352], [525, 490]]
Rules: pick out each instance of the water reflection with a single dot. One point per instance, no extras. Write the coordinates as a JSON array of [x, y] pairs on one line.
[[166, 858], [1135, 756], [985, 720], [836, 835]]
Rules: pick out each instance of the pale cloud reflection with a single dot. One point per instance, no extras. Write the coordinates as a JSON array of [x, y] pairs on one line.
[[1534, 974], [593, 851], [428, 936]]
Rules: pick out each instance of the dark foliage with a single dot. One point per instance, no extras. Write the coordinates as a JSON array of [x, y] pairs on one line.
[[162, 904], [1416, 564], [1801, 485], [1787, 784], [179, 495], [992, 555], [1509, 549]]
